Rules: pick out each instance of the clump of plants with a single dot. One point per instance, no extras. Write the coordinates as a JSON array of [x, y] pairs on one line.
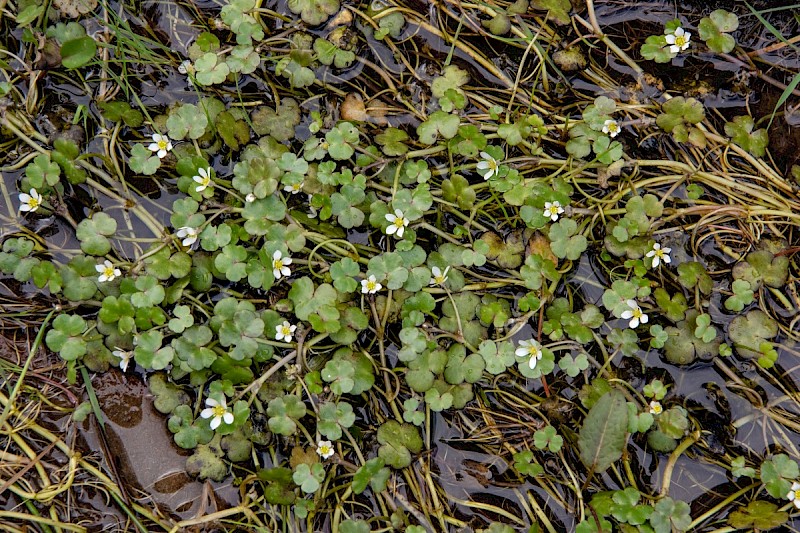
[[330, 274]]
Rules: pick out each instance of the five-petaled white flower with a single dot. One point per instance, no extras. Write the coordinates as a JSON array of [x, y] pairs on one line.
[[107, 271], [659, 254], [186, 67], [325, 449], [218, 412], [611, 127], [250, 198], [656, 408], [280, 265], [794, 494], [532, 349], [125, 357], [370, 285], [439, 277], [678, 40], [488, 166], [30, 202], [635, 314], [188, 234], [203, 180], [294, 188], [284, 332], [160, 145], [552, 210], [397, 224]]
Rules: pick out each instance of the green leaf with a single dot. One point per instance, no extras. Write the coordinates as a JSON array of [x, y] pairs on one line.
[[309, 478], [524, 465], [398, 442], [655, 47], [438, 123], [372, 473], [741, 132], [284, 412], [314, 12], [602, 436], [94, 232], [758, 515], [142, 161], [715, 29], [557, 10], [77, 53]]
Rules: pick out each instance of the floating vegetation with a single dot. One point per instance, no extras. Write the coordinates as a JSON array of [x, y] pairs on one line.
[[382, 266]]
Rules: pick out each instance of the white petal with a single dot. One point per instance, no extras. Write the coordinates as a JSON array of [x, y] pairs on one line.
[[398, 213], [211, 402], [228, 417], [286, 260], [153, 147], [391, 229], [276, 254], [675, 49], [207, 413], [286, 271], [680, 31], [156, 137], [276, 273], [400, 231], [651, 253], [632, 304], [482, 165], [99, 268], [103, 278], [634, 323], [521, 352], [532, 362], [215, 422], [643, 319], [390, 217], [626, 314], [656, 261], [670, 38], [162, 154]]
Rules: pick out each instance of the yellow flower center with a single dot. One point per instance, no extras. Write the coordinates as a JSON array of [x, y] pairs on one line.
[[399, 222], [162, 144], [534, 351], [371, 285], [297, 186], [659, 253], [657, 409], [637, 313], [286, 330], [33, 203], [439, 279], [612, 127], [219, 411], [680, 40], [324, 449], [108, 272], [277, 264], [553, 209]]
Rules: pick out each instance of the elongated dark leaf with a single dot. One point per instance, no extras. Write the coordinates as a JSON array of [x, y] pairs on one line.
[[602, 436]]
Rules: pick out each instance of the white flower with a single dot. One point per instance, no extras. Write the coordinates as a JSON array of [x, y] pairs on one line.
[[439, 277], [294, 188], [370, 285], [655, 408], [107, 271], [552, 210], [124, 356], [218, 412], [188, 234], [250, 198], [30, 202], [398, 223], [488, 166], [186, 67], [325, 449], [284, 332], [659, 254], [161, 145], [794, 494], [635, 314], [203, 180], [679, 40], [611, 127], [531, 349], [279, 265]]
